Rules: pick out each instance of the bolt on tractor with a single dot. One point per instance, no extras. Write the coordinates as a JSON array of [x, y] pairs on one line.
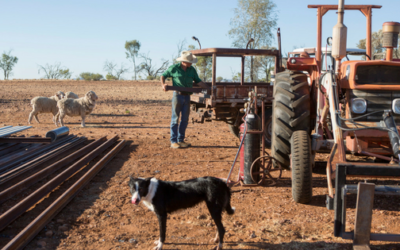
[[350, 107]]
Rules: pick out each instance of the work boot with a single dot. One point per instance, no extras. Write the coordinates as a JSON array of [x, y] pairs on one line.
[[184, 144], [175, 145]]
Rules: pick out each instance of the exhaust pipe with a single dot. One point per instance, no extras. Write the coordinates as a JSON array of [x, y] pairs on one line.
[[339, 37]]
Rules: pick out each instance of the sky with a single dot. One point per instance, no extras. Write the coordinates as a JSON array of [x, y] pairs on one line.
[[83, 34]]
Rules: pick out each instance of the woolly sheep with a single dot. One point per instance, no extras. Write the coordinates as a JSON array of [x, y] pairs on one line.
[[70, 94], [41, 104], [76, 107]]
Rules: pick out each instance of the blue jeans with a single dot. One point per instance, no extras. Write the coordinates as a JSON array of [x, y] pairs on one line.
[[180, 106]]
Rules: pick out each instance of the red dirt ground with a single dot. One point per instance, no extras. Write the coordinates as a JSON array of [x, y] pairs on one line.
[[101, 215]]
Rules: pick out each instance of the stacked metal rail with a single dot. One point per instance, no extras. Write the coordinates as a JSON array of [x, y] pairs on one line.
[[28, 163], [8, 130]]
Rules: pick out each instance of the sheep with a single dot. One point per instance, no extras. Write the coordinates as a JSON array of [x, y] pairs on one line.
[[76, 107], [41, 104], [70, 94]]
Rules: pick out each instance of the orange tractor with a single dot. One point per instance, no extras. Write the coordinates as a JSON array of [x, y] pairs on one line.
[[351, 108]]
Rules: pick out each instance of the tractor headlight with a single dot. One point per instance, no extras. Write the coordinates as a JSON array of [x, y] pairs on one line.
[[359, 105], [396, 106]]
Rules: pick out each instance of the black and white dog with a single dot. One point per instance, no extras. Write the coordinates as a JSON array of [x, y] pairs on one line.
[[163, 197]]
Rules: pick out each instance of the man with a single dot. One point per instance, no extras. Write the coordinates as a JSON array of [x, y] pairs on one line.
[[183, 75]]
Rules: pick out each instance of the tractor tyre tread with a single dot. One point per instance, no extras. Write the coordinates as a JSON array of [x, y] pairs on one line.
[[291, 112], [301, 167]]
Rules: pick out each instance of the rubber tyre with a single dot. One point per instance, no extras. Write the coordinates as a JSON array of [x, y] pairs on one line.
[[301, 167], [234, 130], [268, 127], [291, 112]]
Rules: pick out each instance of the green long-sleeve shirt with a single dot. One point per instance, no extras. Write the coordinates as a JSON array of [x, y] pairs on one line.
[[180, 77]]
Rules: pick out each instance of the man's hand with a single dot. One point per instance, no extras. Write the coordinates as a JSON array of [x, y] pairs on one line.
[[163, 84]]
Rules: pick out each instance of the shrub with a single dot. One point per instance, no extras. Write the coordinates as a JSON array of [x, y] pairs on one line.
[[91, 76], [111, 77]]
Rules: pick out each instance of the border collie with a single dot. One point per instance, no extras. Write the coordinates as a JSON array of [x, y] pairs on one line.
[[163, 197]]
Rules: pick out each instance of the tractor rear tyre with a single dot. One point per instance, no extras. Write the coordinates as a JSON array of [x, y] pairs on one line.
[[268, 127], [291, 112], [301, 167], [234, 130]]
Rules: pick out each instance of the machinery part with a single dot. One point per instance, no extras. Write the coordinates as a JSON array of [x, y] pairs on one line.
[[390, 32], [58, 133], [291, 112], [363, 170], [393, 136], [267, 174], [30, 231], [251, 147], [301, 167]]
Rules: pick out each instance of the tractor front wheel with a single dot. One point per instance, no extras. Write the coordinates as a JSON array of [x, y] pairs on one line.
[[301, 163]]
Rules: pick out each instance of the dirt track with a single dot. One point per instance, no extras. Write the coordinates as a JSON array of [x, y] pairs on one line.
[[102, 217]]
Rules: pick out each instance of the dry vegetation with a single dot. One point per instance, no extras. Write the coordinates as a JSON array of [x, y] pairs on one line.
[[102, 217]]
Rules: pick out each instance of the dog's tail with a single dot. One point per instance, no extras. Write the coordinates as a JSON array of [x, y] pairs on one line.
[[229, 210]]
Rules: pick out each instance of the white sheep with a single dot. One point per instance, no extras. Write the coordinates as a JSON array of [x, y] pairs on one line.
[[71, 94], [41, 104], [76, 107]]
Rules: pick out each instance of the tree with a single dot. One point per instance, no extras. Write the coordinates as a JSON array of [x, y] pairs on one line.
[[133, 48], [7, 63], [253, 19], [220, 78], [149, 69], [91, 76], [181, 47], [376, 44], [55, 71], [114, 73], [266, 63], [203, 66]]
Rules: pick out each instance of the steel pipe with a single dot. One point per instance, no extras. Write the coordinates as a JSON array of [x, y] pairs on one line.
[[9, 191], [25, 140], [11, 130], [40, 162], [13, 213], [24, 156], [58, 133], [30, 231]]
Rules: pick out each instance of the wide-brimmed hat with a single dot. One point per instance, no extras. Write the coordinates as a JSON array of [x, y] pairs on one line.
[[187, 56]]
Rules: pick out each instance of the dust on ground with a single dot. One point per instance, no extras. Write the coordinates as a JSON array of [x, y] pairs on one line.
[[101, 215]]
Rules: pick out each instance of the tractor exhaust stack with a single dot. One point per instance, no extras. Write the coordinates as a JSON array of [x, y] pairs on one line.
[[339, 37]]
